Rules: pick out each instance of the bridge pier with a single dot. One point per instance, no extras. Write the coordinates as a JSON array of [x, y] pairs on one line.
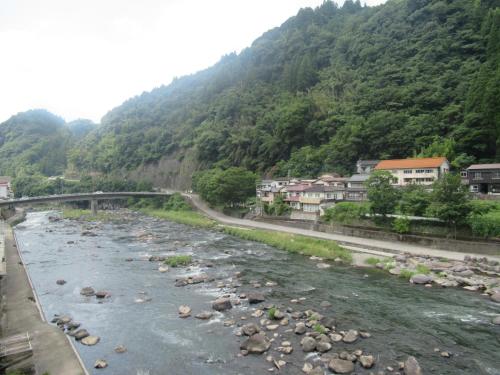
[[93, 206]]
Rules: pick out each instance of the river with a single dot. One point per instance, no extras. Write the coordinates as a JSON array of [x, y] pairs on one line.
[[142, 313]]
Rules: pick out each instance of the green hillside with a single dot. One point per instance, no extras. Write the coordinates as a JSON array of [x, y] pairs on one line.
[[327, 87]]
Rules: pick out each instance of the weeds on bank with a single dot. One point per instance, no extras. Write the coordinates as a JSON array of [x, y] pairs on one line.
[[372, 261], [183, 217], [86, 215], [271, 313]]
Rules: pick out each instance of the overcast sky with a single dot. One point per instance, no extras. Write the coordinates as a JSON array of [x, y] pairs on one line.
[[81, 58]]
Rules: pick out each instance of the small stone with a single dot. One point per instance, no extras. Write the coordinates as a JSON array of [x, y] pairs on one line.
[[341, 366], [163, 269], [120, 349], [204, 315], [102, 294], [335, 337], [308, 344], [257, 313], [351, 336], [445, 354], [367, 361], [222, 304], [300, 328], [256, 344], [80, 334], [272, 327], [100, 363], [325, 304], [250, 329], [61, 282], [87, 291], [496, 321], [323, 347], [420, 279], [412, 367], [307, 368], [254, 298], [184, 311], [90, 340], [365, 335]]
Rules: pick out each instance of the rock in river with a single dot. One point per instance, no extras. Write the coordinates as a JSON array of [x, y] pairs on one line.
[[300, 328], [222, 304], [102, 294], [88, 291], [80, 334], [90, 340], [351, 336], [495, 297], [100, 363], [496, 320], [204, 315], [120, 349], [255, 298], [341, 366], [61, 282], [367, 361], [421, 279], [308, 344], [412, 367], [184, 311], [250, 329], [256, 344]]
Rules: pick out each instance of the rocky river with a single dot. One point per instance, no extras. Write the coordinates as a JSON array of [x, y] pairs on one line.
[[311, 318]]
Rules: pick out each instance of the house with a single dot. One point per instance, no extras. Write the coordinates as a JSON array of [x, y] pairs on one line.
[[484, 178], [332, 179], [366, 166], [421, 171], [292, 194], [5, 187], [268, 190], [356, 189]]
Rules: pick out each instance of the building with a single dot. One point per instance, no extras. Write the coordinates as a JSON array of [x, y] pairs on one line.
[[366, 166], [268, 190], [484, 178], [356, 189], [5, 187], [421, 171], [293, 193]]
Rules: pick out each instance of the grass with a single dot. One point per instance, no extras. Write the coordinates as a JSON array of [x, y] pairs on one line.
[[178, 260], [319, 328], [372, 261], [407, 274], [292, 243], [423, 269], [86, 215], [271, 313], [192, 218]]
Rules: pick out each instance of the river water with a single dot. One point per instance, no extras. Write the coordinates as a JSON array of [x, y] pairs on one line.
[[141, 314]]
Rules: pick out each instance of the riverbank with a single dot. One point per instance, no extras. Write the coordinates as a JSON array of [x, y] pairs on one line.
[[52, 352]]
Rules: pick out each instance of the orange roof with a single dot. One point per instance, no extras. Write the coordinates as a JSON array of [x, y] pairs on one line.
[[411, 163]]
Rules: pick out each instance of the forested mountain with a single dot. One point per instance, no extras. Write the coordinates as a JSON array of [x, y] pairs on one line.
[[327, 87], [37, 142]]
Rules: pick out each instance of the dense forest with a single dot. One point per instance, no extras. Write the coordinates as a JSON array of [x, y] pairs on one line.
[[329, 86], [38, 142]]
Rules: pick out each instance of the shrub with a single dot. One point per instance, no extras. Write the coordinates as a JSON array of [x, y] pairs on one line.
[[401, 225], [271, 313], [486, 225], [372, 261], [423, 269], [319, 328], [346, 212], [178, 260], [176, 202], [406, 274]]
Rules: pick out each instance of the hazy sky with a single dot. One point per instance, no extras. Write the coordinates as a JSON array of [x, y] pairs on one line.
[[81, 58]]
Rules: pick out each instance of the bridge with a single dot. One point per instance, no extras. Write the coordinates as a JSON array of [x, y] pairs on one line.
[[94, 198]]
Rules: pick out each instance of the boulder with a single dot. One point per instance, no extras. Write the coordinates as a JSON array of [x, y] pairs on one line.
[[329, 322], [341, 366], [317, 371], [420, 279], [256, 344], [325, 304], [367, 361], [184, 311], [412, 367], [323, 347], [102, 294], [80, 334], [222, 304], [300, 328], [255, 298], [88, 291], [495, 297], [250, 329], [120, 349], [308, 344], [496, 320], [351, 336], [90, 340], [100, 363], [204, 315]]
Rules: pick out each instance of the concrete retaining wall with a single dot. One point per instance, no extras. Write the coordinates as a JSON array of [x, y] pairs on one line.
[[480, 247]]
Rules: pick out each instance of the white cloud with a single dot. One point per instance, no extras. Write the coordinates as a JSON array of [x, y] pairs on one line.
[[80, 58]]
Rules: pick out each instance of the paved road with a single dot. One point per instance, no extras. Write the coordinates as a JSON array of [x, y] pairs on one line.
[[52, 351], [363, 245]]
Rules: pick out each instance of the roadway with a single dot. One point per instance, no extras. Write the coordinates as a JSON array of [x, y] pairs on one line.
[[358, 244]]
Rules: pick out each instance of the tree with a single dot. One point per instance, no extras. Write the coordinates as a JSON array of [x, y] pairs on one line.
[[381, 194], [450, 200], [414, 200]]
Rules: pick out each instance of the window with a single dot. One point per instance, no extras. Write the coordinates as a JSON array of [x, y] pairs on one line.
[[395, 181], [429, 179], [429, 171], [408, 171], [463, 174], [496, 175], [420, 171], [474, 188], [477, 175]]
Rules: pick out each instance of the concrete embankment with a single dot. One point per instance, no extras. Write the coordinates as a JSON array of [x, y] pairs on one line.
[[52, 351]]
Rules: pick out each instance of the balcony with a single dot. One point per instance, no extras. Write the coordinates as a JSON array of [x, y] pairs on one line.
[[308, 200]]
